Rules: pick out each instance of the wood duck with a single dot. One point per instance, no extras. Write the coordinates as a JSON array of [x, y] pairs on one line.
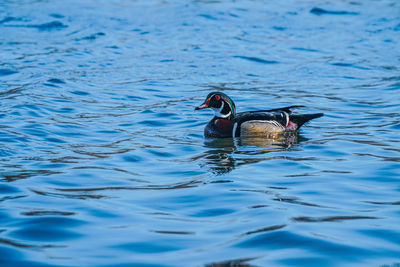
[[228, 123]]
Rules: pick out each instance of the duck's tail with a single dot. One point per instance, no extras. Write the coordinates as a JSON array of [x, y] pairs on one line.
[[302, 119]]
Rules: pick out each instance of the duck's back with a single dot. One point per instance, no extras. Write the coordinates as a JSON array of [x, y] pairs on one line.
[[269, 123]]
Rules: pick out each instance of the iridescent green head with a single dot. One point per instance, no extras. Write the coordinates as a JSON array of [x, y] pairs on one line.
[[221, 104]]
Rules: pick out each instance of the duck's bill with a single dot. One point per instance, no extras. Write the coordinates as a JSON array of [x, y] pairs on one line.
[[202, 106]]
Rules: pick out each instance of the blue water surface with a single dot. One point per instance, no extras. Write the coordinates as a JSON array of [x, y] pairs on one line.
[[103, 159]]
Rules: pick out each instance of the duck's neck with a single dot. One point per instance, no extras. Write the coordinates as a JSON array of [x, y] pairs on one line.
[[223, 112]]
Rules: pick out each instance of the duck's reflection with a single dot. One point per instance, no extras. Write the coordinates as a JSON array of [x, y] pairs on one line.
[[225, 154]]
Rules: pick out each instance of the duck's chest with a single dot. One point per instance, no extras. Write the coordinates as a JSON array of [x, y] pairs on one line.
[[219, 128]]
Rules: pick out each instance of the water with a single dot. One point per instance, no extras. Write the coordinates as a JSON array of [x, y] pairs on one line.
[[103, 160]]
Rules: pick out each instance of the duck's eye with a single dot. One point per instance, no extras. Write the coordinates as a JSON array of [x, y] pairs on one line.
[[217, 97]]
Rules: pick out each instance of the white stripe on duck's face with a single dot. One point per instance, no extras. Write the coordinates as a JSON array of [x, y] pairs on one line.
[[218, 111], [260, 128]]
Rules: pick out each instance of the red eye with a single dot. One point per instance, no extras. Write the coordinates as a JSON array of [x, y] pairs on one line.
[[217, 97]]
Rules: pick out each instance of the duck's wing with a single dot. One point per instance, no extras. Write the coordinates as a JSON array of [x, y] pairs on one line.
[[279, 116]]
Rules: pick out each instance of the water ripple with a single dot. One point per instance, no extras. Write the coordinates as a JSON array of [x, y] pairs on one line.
[[331, 219], [258, 60], [321, 11]]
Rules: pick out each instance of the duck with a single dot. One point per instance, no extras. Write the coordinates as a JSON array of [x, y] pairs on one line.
[[260, 123]]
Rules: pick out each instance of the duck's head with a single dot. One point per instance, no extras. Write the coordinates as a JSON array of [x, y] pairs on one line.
[[221, 104]]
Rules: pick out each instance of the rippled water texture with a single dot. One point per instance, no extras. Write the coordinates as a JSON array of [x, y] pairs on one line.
[[103, 160]]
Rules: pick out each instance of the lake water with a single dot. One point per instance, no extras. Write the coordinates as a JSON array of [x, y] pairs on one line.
[[103, 159]]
